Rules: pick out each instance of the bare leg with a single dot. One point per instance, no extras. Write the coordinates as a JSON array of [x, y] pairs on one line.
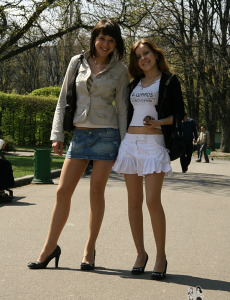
[[99, 178], [134, 185], [153, 186], [72, 171]]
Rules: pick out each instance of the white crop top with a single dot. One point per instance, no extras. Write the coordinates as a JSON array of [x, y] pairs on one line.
[[144, 100]]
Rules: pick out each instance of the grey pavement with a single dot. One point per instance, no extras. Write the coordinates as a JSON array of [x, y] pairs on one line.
[[197, 206]]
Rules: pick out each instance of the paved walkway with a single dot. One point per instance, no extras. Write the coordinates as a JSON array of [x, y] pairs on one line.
[[197, 206]]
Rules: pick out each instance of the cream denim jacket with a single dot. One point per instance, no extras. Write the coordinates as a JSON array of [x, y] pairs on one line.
[[95, 105]]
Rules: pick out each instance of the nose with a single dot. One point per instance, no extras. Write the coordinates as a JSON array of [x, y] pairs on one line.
[[143, 56], [105, 43]]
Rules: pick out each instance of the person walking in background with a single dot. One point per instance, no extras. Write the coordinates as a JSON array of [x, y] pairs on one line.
[[190, 136], [142, 153], [99, 128], [203, 143]]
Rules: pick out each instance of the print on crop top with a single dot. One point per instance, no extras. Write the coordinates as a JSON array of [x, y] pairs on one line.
[[144, 100]]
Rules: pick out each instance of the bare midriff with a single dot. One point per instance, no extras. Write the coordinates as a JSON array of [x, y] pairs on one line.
[[143, 130], [85, 128]]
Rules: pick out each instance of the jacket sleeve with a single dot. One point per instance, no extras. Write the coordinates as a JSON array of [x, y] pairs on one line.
[[171, 101], [177, 98], [121, 102], [57, 132]]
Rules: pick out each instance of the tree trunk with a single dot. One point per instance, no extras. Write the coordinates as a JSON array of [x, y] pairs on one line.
[[225, 139]]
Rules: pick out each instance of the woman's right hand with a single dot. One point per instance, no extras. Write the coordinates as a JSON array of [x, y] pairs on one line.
[[147, 120], [57, 147]]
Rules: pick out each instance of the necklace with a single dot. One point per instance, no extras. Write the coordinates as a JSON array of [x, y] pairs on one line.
[[147, 82], [98, 66]]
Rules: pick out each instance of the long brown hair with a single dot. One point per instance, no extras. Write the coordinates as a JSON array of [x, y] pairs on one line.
[[111, 28], [135, 70]]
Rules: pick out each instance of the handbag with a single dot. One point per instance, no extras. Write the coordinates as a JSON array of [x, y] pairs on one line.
[[71, 99], [174, 142]]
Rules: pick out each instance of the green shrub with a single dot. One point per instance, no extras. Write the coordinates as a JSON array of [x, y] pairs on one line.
[[27, 119], [10, 144], [53, 91]]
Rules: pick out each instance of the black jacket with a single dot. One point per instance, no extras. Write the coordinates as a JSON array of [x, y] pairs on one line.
[[173, 104]]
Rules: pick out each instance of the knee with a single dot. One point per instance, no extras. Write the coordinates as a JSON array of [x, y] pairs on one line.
[[62, 193], [135, 204], [96, 190], [153, 203]]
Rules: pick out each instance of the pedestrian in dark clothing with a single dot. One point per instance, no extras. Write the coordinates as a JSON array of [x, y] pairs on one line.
[[190, 136]]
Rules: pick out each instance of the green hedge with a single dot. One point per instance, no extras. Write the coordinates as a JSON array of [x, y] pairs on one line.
[[51, 91], [27, 119]]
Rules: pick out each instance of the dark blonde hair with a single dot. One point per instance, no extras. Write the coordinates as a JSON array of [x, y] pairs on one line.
[[135, 70], [111, 28]]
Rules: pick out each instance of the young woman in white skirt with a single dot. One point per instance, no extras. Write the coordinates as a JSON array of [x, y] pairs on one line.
[[143, 153]]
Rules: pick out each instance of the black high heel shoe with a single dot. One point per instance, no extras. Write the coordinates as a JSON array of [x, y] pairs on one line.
[[42, 265], [138, 271], [88, 267], [160, 275]]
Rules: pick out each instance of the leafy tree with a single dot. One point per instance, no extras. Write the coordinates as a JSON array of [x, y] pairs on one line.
[[197, 32], [193, 33], [20, 18]]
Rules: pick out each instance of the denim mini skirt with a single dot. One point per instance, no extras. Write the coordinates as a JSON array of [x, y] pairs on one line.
[[94, 144], [143, 154]]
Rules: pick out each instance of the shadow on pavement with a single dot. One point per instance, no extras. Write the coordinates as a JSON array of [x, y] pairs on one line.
[[199, 182], [192, 182], [187, 280], [16, 203]]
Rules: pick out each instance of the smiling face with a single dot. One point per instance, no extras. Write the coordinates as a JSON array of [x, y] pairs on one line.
[[147, 60], [104, 45]]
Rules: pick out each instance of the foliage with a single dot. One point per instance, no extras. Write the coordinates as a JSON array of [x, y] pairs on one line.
[[36, 46], [27, 119], [53, 91], [32, 26], [10, 143], [196, 37]]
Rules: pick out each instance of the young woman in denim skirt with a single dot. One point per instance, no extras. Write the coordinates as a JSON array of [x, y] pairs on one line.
[[142, 153], [99, 127]]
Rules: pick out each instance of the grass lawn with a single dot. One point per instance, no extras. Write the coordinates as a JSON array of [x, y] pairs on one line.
[[24, 165]]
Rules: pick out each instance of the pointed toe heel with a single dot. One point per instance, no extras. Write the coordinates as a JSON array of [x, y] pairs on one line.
[[42, 265], [160, 275], [141, 270]]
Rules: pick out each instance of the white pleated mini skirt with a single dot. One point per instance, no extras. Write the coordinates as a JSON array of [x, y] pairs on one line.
[[143, 154]]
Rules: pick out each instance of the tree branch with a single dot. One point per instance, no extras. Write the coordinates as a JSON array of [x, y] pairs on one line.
[[18, 34], [49, 38]]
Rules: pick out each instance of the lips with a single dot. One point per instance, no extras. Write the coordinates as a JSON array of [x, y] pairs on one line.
[[145, 63], [104, 50]]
